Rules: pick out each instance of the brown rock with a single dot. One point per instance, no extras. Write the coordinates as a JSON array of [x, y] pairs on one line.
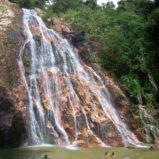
[[12, 92]]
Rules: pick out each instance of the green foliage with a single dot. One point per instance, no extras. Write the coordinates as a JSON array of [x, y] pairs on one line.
[[30, 3], [49, 13], [131, 84], [156, 3], [61, 6], [153, 20], [91, 3], [129, 43], [128, 37], [81, 19]]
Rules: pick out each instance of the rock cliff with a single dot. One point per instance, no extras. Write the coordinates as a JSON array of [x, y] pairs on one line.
[[14, 96], [12, 111], [140, 121]]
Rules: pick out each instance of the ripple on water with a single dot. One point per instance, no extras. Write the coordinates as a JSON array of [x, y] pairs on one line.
[[70, 152]]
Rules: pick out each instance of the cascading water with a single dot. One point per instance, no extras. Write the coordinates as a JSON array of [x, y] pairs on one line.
[[68, 102]]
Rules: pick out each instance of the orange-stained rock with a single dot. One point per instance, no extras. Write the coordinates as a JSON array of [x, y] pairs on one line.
[[12, 91], [68, 104]]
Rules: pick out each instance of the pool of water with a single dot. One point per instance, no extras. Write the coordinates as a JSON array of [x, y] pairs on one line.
[[81, 153]]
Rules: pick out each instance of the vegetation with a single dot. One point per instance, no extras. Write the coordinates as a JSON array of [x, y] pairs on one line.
[[128, 37], [30, 3]]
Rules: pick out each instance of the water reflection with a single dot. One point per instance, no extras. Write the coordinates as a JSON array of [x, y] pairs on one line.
[[89, 153]]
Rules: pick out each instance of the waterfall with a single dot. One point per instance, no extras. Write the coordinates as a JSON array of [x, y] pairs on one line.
[[64, 96]]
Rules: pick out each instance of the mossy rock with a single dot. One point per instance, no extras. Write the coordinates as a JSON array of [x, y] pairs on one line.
[[12, 36], [9, 45]]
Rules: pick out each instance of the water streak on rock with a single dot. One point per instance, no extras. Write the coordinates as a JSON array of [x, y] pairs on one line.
[[68, 102]]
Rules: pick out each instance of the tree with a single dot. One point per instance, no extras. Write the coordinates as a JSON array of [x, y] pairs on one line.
[[91, 3], [61, 6], [157, 3], [127, 48], [30, 3], [154, 24]]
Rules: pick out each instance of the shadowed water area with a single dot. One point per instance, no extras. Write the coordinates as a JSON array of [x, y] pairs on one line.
[[82, 153]]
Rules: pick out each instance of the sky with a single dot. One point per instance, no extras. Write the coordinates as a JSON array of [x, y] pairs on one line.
[[105, 1]]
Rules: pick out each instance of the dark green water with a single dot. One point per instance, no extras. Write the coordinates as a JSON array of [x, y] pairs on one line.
[[82, 153]]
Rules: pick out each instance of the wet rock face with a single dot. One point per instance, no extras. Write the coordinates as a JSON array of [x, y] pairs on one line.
[[149, 126], [12, 94], [5, 15], [83, 46], [137, 119], [12, 125], [68, 102], [75, 111], [12, 129]]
